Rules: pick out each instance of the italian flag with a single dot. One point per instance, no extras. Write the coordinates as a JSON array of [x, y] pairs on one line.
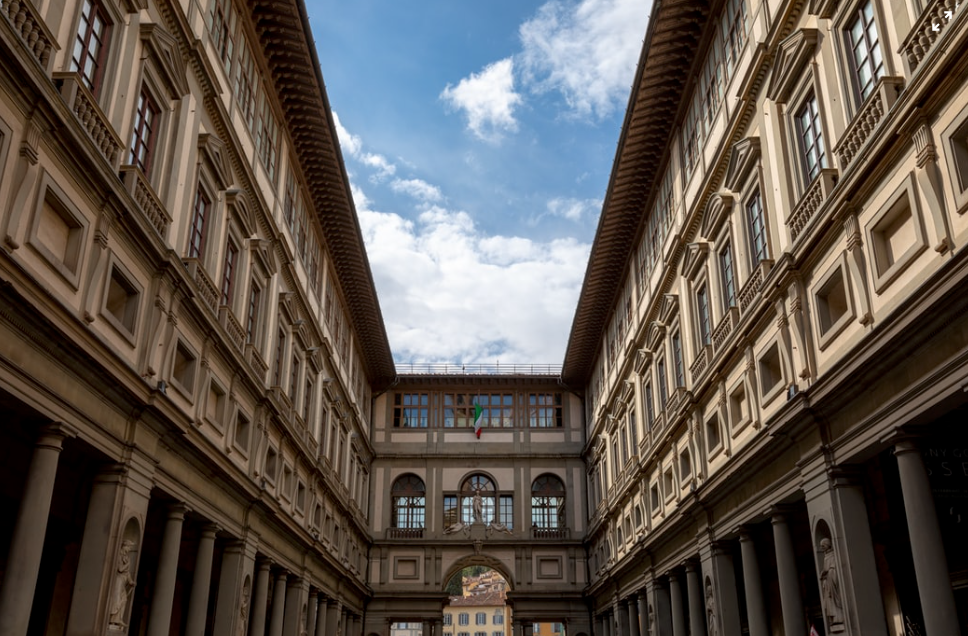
[[478, 419]]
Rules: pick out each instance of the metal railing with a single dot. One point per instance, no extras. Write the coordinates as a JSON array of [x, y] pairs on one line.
[[496, 368]]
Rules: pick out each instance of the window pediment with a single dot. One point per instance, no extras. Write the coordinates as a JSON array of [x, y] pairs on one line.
[[694, 258], [162, 48], [212, 151], [668, 308], [655, 335], [717, 210], [744, 156], [793, 55]]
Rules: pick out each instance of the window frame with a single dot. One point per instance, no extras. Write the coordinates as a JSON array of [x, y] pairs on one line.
[[141, 149], [105, 52]]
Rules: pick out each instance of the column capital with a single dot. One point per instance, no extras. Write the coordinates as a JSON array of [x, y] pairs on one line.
[[53, 434], [211, 529], [744, 534], [846, 475], [690, 566], [177, 511], [906, 444]]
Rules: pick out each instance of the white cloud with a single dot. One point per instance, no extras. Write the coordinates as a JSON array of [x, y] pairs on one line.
[[587, 51], [353, 146], [416, 188], [450, 293], [488, 100], [573, 209], [348, 142]]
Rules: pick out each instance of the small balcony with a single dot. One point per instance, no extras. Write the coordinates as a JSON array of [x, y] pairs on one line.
[[405, 533], [89, 114], [927, 31], [204, 285], [550, 533], [811, 201], [867, 119], [148, 202], [28, 24]]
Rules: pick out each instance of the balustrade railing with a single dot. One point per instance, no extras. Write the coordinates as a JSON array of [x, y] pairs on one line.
[[203, 283], [28, 24], [405, 533], [91, 117], [549, 533], [927, 30], [148, 202], [867, 119], [811, 201]]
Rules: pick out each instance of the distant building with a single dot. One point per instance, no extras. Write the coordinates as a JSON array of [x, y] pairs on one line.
[[482, 610]]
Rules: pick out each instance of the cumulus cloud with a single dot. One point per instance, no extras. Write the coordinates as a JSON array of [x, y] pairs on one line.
[[416, 188], [587, 51], [573, 209], [451, 293], [487, 99], [353, 146]]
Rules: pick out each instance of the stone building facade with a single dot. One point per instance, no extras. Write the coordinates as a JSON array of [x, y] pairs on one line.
[[771, 340], [758, 426]]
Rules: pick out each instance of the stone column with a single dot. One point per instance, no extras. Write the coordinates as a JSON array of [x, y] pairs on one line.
[[678, 615], [927, 547], [643, 602], [697, 608], [633, 616], [662, 609], [332, 617], [99, 557], [201, 582], [786, 565], [343, 615], [234, 603], [260, 600], [311, 616], [518, 630], [294, 621], [623, 618], [752, 585], [278, 604], [27, 543], [607, 616], [163, 598], [719, 590], [321, 615]]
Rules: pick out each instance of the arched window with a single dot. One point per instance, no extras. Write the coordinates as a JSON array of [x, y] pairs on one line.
[[547, 503], [477, 495], [409, 496]]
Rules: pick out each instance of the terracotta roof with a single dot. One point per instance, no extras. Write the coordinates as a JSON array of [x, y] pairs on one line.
[[490, 598], [672, 39], [284, 32]]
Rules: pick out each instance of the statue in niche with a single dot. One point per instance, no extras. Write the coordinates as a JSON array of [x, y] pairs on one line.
[[124, 583], [830, 585], [478, 508], [711, 622], [243, 610]]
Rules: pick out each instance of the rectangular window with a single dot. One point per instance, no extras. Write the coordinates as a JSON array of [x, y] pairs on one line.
[[625, 445], [506, 511], [221, 24], [811, 139], [544, 410], [196, 239], [246, 78], [480, 618], [677, 359], [294, 376], [702, 311], [649, 405], [735, 26], [267, 139], [411, 410], [729, 280], [757, 228], [633, 433], [660, 372], [867, 62], [308, 398], [280, 351], [228, 271], [143, 134], [450, 510], [91, 44], [252, 314]]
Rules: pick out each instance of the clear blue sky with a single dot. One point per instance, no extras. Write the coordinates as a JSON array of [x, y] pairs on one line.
[[479, 138]]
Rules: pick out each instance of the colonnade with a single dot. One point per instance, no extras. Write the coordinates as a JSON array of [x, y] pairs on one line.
[[104, 595], [697, 595]]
